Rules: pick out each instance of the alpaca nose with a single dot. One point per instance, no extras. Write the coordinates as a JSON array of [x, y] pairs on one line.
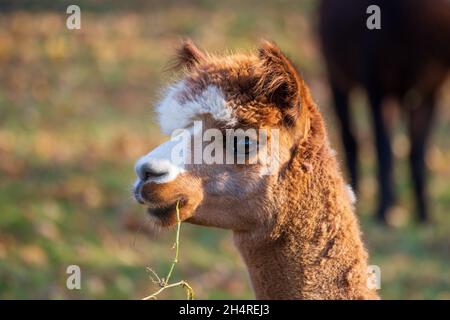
[[159, 166], [151, 171]]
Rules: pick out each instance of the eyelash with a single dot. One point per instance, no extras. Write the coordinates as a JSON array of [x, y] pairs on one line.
[[248, 145]]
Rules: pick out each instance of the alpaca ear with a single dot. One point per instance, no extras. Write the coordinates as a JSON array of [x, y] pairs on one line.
[[279, 79], [188, 55]]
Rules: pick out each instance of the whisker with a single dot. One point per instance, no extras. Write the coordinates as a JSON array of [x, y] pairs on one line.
[[138, 231]]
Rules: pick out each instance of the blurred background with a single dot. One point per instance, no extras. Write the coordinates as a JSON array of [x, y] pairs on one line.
[[76, 111]]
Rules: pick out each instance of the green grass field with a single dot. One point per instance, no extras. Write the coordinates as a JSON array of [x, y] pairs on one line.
[[76, 112]]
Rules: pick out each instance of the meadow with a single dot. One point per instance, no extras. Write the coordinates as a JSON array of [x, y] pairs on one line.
[[76, 111]]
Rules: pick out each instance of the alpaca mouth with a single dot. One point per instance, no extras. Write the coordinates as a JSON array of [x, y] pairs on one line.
[[137, 192], [166, 210], [162, 209]]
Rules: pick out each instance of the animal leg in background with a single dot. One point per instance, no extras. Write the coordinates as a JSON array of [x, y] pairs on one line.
[[384, 154], [341, 106], [420, 120]]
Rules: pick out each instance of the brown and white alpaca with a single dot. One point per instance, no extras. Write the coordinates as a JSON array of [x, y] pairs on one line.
[[295, 228]]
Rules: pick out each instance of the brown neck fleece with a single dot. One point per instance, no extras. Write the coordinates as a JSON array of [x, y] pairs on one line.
[[313, 249]]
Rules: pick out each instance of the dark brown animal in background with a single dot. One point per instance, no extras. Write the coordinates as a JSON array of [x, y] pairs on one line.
[[407, 59]]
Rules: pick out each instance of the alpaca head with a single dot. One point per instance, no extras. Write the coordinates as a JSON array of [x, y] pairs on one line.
[[234, 121]]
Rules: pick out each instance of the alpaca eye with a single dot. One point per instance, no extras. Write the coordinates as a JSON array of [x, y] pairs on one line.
[[243, 145]]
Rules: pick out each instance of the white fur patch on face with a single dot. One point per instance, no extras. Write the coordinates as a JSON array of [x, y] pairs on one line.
[[175, 115]]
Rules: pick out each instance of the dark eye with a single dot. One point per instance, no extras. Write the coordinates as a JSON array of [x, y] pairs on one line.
[[243, 145]]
